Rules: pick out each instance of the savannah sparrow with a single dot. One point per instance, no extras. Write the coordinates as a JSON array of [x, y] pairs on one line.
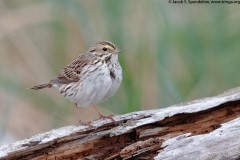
[[91, 78]]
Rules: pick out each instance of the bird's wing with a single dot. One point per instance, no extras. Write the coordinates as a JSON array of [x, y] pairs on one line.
[[71, 73]]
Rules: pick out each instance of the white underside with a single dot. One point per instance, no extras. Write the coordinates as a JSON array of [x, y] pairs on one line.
[[96, 87]]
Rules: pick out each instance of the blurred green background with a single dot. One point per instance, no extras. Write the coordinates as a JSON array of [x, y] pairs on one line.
[[170, 54]]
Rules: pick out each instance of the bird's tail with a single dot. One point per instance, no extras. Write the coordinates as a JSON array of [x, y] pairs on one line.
[[41, 86]]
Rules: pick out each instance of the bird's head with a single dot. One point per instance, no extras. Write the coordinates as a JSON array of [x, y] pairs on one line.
[[104, 49]]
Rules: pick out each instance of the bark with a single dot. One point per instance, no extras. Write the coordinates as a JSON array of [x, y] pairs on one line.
[[202, 129]]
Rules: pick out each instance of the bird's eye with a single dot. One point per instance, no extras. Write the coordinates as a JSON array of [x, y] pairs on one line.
[[104, 49]]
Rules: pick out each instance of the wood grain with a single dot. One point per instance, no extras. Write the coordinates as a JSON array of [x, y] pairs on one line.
[[202, 129]]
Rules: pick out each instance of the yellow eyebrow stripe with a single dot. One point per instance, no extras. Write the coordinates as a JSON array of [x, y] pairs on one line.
[[109, 47]]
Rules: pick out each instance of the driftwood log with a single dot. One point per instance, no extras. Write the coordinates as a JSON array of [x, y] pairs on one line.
[[203, 129]]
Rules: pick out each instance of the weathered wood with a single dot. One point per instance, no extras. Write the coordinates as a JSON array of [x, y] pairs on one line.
[[203, 129]]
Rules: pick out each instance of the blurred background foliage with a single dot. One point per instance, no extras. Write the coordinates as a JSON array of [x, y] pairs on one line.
[[170, 54]]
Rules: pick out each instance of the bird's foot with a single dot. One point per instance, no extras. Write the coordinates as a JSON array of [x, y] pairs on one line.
[[84, 123], [106, 117]]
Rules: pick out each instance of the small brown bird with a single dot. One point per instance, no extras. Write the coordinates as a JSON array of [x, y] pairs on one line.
[[91, 78]]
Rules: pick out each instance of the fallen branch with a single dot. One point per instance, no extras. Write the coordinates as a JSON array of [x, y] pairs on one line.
[[202, 129]]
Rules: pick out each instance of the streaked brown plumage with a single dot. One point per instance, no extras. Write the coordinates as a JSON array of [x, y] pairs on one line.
[[91, 78]]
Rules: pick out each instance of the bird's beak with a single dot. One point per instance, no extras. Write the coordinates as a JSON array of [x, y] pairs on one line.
[[117, 51]]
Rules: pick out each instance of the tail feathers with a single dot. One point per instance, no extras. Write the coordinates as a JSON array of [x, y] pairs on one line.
[[41, 86]]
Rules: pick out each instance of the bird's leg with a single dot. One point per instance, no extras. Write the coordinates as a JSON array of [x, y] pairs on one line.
[[78, 115], [101, 116], [80, 122]]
